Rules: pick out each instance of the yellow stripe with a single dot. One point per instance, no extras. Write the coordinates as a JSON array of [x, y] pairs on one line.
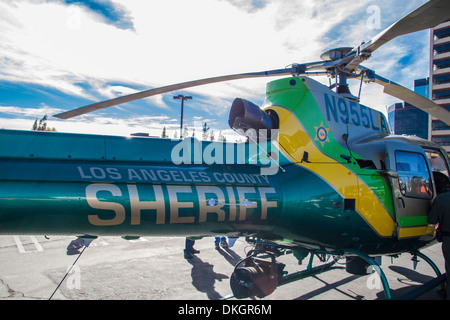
[[294, 141], [416, 231]]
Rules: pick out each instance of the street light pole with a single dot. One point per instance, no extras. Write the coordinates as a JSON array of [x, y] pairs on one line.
[[183, 99]]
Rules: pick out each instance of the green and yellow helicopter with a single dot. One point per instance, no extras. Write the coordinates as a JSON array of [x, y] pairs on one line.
[[320, 174]]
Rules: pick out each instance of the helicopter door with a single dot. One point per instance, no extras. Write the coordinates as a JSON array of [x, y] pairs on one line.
[[411, 187]]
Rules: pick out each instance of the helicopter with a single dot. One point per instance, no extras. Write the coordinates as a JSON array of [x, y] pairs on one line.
[[319, 175]]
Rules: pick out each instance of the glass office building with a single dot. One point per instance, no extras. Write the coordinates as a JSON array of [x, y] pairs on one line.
[[407, 119]]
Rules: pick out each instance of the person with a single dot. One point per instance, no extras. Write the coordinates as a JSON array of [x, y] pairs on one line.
[[440, 214], [220, 241], [189, 250]]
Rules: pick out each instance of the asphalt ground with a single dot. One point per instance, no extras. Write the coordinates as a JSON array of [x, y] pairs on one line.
[[31, 267]]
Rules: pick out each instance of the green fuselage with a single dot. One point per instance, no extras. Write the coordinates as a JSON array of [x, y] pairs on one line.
[[319, 195], [70, 193]]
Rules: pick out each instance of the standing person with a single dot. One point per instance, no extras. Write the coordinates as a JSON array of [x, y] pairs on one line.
[[220, 241], [189, 249], [440, 214]]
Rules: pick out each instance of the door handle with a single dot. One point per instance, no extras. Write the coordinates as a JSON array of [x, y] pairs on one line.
[[400, 200]]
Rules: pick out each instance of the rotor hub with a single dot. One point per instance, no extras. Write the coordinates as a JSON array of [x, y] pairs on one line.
[[335, 54]]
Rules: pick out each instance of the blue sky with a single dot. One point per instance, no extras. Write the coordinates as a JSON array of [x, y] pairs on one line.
[[57, 55]]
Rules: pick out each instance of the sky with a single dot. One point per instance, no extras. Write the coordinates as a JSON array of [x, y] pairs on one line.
[[57, 55]]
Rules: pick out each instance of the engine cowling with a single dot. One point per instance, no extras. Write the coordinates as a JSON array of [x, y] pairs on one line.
[[245, 115]]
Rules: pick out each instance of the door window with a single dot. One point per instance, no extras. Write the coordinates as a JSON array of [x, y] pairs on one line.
[[440, 170], [414, 176]]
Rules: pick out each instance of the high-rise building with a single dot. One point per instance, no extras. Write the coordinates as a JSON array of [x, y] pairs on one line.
[[407, 119], [439, 131]]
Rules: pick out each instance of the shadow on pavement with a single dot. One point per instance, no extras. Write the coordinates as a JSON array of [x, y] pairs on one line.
[[204, 277]]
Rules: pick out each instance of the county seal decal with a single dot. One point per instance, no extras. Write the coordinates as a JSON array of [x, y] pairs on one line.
[[322, 134]]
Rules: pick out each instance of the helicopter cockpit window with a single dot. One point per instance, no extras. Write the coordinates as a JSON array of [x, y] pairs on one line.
[[440, 170], [414, 176]]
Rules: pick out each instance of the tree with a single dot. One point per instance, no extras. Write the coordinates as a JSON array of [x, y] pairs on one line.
[[164, 133], [205, 130], [222, 137], [42, 125]]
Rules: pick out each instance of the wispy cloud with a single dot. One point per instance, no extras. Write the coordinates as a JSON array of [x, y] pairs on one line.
[[29, 112], [249, 5]]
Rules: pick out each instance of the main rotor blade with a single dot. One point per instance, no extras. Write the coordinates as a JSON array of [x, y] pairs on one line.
[[295, 70], [413, 98], [427, 16]]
